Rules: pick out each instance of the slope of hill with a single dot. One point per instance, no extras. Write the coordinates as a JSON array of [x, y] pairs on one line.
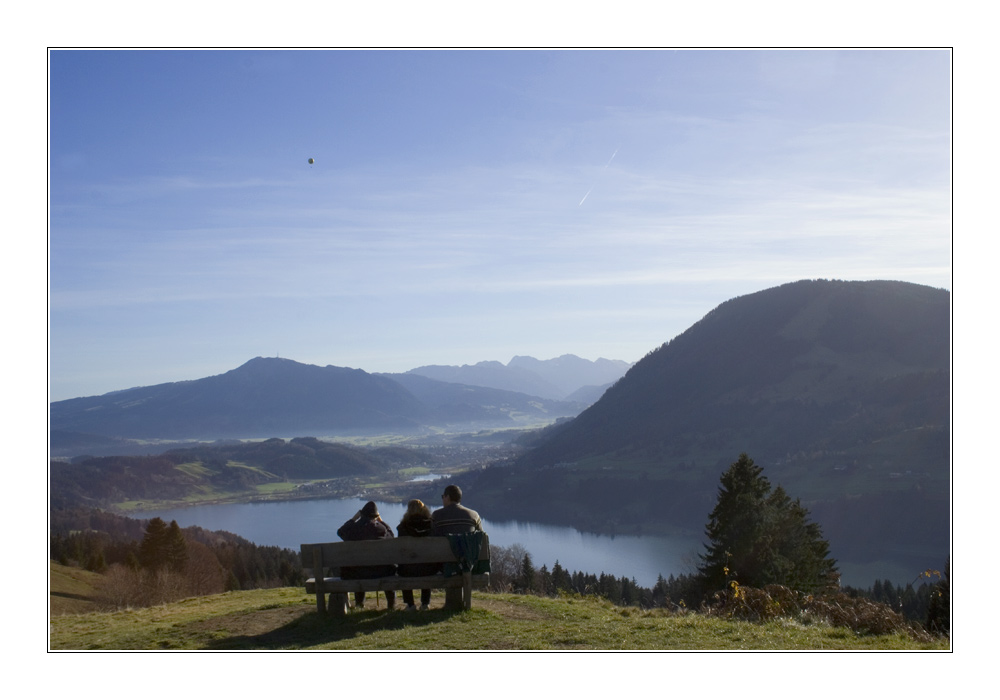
[[262, 398], [72, 590], [839, 389], [803, 366]]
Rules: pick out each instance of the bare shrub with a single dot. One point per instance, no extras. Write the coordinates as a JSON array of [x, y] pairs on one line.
[[861, 615], [203, 570], [505, 567], [119, 589], [754, 604], [166, 586], [123, 587], [787, 600]]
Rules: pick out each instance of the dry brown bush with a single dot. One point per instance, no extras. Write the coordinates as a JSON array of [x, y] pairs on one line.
[[123, 587], [860, 615], [755, 604], [203, 571]]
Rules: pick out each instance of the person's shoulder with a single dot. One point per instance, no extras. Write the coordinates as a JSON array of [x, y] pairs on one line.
[[347, 530]]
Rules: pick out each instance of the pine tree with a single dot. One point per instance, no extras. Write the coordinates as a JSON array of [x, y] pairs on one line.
[[153, 548], [758, 537], [526, 581], [543, 581], [799, 556], [175, 546], [737, 528], [561, 580]]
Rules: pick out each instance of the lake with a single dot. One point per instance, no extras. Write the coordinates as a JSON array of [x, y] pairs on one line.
[[291, 523]]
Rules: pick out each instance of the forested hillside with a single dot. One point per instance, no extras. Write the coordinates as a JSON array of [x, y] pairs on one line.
[[839, 389]]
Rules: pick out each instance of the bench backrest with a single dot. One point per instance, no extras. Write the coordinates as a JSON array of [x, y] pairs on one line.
[[402, 550]]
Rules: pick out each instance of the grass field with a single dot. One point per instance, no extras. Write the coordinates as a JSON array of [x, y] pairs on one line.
[[286, 619]]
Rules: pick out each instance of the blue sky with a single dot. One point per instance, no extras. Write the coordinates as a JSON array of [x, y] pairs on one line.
[[468, 206]]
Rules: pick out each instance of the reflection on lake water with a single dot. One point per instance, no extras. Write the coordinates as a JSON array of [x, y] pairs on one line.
[[292, 523]]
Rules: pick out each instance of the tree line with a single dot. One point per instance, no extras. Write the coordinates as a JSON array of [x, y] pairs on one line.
[[151, 562]]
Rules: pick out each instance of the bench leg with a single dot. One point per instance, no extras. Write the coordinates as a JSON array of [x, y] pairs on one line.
[[320, 602], [453, 599], [467, 589]]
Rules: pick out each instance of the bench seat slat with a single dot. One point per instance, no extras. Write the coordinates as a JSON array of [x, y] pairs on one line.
[[402, 550]]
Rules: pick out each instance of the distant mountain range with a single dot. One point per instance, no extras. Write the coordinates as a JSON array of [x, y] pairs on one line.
[[841, 390], [273, 397], [558, 378]]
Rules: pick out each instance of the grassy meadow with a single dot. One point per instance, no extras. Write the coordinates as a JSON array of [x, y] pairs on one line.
[[286, 619]]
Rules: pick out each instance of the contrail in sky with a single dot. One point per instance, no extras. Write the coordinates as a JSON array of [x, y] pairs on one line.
[[605, 167]]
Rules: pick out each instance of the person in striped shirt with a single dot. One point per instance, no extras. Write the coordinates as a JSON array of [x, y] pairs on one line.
[[454, 518]]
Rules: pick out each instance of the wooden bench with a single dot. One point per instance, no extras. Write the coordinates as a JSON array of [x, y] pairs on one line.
[[325, 560]]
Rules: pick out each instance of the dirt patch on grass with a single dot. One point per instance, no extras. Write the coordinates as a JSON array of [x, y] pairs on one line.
[[253, 623]]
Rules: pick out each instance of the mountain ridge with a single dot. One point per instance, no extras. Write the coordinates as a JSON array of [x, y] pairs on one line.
[[268, 397], [557, 378]]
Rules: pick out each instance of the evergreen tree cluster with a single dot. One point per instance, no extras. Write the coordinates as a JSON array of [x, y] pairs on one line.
[[759, 536], [513, 570]]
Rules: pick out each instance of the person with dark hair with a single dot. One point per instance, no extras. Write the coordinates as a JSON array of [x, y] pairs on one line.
[[454, 518], [416, 522], [367, 524]]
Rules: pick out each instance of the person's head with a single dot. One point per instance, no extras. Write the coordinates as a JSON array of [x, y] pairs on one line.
[[370, 510], [452, 494], [417, 507]]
